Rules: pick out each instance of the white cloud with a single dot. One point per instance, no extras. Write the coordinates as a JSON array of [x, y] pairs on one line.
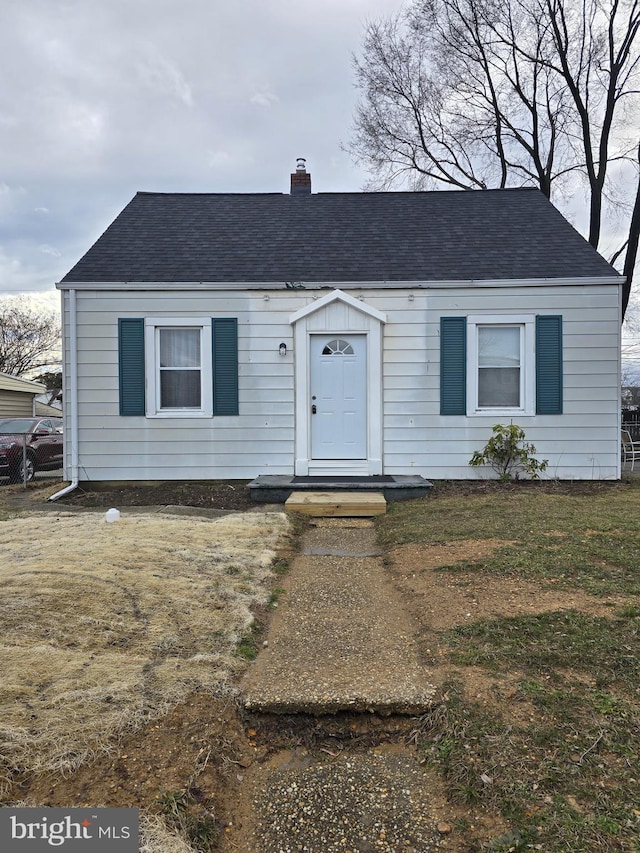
[[15, 277], [85, 123], [164, 77], [218, 159], [11, 199], [264, 99], [50, 250]]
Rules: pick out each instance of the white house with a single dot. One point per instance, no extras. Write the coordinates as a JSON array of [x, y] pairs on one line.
[[212, 336]]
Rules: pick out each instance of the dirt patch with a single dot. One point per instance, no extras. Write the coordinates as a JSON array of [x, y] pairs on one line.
[[559, 487], [414, 559], [187, 761], [439, 601], [222, 495], [442, 600]]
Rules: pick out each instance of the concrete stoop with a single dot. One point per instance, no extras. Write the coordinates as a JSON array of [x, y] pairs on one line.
[[276, 488]]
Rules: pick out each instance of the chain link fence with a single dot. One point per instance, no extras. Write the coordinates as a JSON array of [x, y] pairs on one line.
[[32, 454]]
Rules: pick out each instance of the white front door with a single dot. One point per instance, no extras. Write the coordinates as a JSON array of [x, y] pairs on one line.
[[338, 396]]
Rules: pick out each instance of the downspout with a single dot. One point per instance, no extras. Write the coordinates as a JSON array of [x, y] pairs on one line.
[[72, 391]]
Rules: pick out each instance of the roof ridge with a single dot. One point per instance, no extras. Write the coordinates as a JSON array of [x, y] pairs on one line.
[[487, 190], [190, 194], [459, 192]]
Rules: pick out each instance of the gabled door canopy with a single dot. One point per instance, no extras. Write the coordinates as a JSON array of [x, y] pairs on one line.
[[338, 296]]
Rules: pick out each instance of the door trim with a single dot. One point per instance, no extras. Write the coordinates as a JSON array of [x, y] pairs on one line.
[[337, 314], [317, 366]]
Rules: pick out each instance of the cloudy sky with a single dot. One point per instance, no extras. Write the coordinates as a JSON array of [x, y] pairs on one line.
[[101, 98]]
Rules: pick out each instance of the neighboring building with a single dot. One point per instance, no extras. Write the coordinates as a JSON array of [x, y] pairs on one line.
[[213, 336], [18, 397], [49, 403]]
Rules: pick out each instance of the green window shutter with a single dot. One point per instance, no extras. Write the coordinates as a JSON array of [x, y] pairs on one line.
[[549, 364], [453, 365], [225, 365], [131, 366]]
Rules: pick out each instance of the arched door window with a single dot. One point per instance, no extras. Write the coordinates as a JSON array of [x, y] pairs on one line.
[[338, 347]]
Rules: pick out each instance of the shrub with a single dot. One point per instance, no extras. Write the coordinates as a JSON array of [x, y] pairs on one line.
[[509, 455]]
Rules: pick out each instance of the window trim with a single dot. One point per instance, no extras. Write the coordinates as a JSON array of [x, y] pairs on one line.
[[152, 327], [527, 324]]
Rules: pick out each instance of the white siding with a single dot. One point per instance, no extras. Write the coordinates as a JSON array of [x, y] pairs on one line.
[[260, 440], [583, 442], [580, 444]]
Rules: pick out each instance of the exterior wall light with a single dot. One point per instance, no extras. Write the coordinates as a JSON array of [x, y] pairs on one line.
[[282, 349]]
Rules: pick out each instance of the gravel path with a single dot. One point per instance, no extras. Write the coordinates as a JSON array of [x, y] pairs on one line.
[[367, 803]]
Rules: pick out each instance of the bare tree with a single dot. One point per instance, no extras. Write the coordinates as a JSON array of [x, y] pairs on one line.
[[28, 338], [630, 344], [495, 93]]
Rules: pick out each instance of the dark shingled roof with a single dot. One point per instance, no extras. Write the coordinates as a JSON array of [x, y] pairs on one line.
[[333, 237]]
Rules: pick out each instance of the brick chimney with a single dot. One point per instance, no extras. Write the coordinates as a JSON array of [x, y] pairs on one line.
[[301, 179]]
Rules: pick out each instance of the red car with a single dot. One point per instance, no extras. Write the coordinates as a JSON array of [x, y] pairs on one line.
[[42, 438]]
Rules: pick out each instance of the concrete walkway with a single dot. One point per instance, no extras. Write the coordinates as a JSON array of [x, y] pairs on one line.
[[341, 639]]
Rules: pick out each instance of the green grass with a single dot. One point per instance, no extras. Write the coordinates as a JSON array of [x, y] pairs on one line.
[[183, 813], [280, 567], [610, 648], [274, 596], [247, 647], [590, 540], [565, 779], [553, 749]]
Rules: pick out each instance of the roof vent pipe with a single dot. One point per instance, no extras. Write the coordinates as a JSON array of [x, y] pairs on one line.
[[301, 179]]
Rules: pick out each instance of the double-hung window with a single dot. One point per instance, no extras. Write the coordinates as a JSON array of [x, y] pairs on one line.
[[500, 365], [179, 368], [179, 359]]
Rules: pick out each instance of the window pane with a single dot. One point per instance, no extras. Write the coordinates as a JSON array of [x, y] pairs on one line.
[[498, 346], [338, 348], [179, 389], [179, 347], [498, 386]]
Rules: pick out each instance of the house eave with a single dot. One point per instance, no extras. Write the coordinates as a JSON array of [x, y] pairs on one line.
[[15, 383], [108, 286]]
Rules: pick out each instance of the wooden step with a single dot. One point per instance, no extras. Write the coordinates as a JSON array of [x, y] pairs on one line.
[[337, 503]]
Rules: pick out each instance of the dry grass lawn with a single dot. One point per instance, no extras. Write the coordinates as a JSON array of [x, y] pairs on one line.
[[105, 626]]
